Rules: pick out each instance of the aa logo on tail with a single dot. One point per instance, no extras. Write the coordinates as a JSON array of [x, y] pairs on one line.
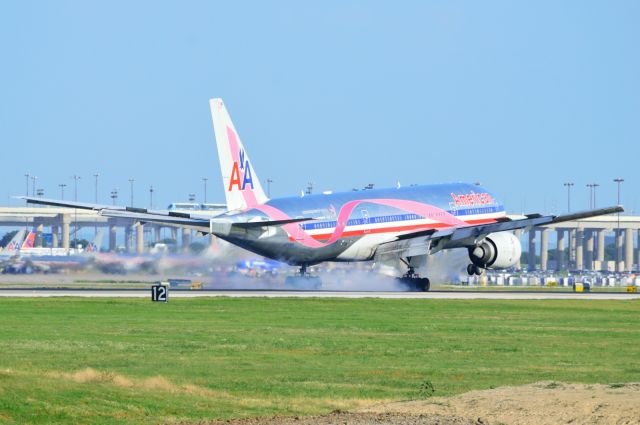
[[241, 180]]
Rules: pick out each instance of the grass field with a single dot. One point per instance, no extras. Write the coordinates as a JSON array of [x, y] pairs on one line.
[[69, 360]]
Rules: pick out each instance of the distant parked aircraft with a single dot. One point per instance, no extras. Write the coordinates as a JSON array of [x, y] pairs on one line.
[[14, 244]]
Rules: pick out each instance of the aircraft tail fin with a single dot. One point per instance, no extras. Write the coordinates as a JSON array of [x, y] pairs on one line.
[[30, 241], [242, 187], [14, 243], [95, 245]]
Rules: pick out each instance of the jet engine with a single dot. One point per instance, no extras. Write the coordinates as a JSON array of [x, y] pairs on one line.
[[496, 251]]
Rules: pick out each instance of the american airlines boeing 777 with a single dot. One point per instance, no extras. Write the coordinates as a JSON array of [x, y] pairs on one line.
[[398, 226]]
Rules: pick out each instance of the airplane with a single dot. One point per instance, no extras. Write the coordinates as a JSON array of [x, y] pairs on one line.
[[28, 247], [29, 242], [258, 267], [31, 259], [401, 226], [95, 245], [14, 244]]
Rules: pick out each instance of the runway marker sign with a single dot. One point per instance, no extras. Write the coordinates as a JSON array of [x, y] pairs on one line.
[[160, 293]]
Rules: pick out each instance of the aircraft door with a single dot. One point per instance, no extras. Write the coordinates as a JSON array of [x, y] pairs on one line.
[[365, 221], [299, 232]]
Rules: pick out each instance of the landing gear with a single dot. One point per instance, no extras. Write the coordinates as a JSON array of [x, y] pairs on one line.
[[303, 280], [473, 269], [413, 280]]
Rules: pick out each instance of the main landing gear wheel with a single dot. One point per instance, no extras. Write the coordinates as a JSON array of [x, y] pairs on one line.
[[303, 280], [473, 269], [414, 282]]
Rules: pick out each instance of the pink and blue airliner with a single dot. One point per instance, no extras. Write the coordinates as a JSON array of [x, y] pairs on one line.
[[399, 227]]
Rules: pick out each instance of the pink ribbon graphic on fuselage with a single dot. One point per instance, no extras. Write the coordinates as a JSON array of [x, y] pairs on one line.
[[302, 237]]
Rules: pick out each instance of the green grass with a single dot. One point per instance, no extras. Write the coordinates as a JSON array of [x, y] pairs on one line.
[[195, 359]]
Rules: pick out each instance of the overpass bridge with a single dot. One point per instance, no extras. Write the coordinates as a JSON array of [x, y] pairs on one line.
[[584, 240], [61, 221]]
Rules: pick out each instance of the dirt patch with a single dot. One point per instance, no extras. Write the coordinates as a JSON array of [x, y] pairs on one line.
[[542, 403], [346, 418]]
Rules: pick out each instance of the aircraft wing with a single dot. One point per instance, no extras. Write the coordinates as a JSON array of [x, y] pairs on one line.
[[202, 223], [68, 204], [431, 241]]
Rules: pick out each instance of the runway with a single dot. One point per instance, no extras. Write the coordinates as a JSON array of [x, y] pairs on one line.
[[451, 295]]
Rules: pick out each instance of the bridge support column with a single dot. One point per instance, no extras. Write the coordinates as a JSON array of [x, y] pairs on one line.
[[139, 238], [628, 249], [579, 250], [66, 219], [113, 234], [588, 248], [127, 238], [186, 239], [38, 241], [157, 234], [638, 255], [532, 249], [54, 236], [544, 247], [619, 258], [601, 247], [572, 249], [560, 250]]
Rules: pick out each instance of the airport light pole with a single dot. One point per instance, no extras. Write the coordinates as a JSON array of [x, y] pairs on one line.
[[595, 186], [204, 179], [33, 181], [619, 181], [114, 196], [95, 227], [568, 186], [26, 193], [75, 187], [62, 186], [269, 181], [75, 219], [591, 187], [96, 175], [131, 180], [151, 197]]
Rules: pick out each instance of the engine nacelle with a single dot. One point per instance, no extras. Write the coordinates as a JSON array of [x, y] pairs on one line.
[[497, 251]]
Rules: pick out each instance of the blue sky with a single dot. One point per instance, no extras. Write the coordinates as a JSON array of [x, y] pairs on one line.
[[521, 96]]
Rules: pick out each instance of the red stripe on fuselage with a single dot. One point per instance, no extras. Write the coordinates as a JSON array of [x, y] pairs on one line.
[[395, 229]]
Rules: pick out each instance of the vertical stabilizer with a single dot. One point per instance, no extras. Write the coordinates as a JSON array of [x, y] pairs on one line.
[[30, 241], [242, 186], [14, 243], [95, 245]]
